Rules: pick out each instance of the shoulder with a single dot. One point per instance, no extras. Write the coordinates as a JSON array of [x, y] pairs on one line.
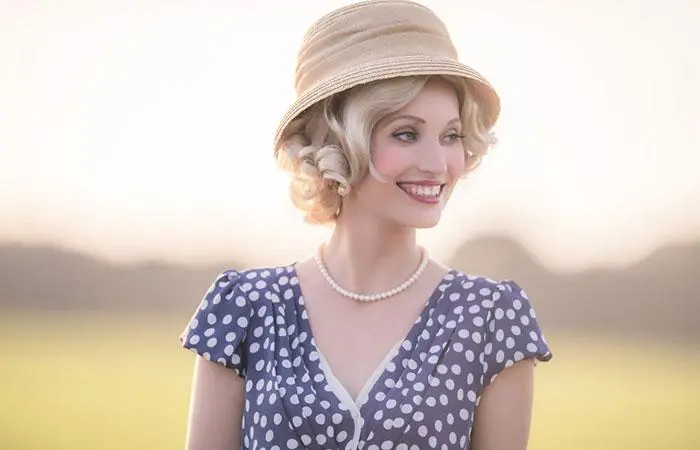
[[253, 279], [479, 285], [235, 302], [492, 295], [245, 288]]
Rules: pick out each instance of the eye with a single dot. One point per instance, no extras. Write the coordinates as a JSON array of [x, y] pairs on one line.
[[453, 137], [406, 136]]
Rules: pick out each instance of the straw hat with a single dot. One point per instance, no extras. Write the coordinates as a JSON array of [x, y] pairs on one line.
[[375, 40]]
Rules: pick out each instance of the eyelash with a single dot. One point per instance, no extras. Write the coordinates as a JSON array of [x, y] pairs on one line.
[[398, 135]]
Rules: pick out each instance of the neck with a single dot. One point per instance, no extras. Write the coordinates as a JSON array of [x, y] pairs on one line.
[[368, 255]]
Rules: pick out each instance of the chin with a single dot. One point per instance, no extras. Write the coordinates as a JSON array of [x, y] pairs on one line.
[[426, 224], [419, 221]]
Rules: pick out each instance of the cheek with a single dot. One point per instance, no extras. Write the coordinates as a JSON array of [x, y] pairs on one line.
[[456, 163], [391, 161]]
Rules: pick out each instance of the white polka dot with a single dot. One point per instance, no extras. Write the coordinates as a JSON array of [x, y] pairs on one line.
[[388, 424], [453, 438], [260, 365]]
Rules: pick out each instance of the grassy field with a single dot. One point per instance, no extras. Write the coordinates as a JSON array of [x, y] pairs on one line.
[[106, 382]]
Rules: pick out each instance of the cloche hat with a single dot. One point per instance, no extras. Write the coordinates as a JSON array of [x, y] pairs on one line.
[[375, 40]]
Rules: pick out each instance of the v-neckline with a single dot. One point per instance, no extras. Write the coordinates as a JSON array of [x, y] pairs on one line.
[[339, 388]]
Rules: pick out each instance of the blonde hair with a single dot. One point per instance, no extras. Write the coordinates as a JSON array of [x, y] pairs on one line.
[[329, 146]]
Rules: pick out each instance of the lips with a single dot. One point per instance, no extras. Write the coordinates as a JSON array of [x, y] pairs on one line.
[[426, 193]]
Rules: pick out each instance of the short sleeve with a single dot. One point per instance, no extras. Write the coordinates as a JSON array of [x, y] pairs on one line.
[[217, 330], [513, 332]]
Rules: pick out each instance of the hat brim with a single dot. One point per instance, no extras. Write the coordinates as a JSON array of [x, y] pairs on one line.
[[481, 89]]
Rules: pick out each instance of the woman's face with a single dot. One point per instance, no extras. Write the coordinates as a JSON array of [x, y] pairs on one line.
[[419, 152]]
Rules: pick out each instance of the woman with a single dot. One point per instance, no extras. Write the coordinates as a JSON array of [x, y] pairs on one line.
[[370, 343]]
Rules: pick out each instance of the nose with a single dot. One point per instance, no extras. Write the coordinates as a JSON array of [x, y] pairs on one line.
[[433, 158]]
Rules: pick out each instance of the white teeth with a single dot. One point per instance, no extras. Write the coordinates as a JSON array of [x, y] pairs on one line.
[[421, 191]]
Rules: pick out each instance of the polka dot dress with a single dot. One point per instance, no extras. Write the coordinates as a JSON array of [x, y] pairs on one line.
[[424, 394]]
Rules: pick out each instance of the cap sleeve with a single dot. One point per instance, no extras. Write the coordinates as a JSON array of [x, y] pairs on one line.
[[513, 332], [218, 328]]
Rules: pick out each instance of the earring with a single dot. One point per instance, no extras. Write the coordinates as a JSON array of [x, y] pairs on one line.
[[342, 190]]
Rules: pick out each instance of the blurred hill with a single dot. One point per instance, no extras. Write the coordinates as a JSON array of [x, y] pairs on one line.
[[49, 278], [660, 296]]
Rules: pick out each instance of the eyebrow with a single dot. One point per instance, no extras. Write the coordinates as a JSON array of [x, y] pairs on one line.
[[416, 118]]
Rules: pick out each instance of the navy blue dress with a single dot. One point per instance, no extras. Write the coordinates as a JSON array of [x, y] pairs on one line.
[[424, 394]]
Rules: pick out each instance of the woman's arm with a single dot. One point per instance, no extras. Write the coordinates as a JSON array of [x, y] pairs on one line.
[[503, 417], [216, 408]]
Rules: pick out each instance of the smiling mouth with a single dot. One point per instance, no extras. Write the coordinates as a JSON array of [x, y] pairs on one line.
[[423, 193]]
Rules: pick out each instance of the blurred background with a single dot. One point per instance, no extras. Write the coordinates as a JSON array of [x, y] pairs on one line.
[[136, 164]]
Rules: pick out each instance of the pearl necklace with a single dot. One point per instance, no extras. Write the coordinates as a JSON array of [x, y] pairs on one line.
[[371, 297]]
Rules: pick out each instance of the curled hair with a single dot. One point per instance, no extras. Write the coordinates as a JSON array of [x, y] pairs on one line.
[[329, 145]]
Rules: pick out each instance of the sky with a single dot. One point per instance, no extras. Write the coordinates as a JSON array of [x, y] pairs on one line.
[[142, 129]]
